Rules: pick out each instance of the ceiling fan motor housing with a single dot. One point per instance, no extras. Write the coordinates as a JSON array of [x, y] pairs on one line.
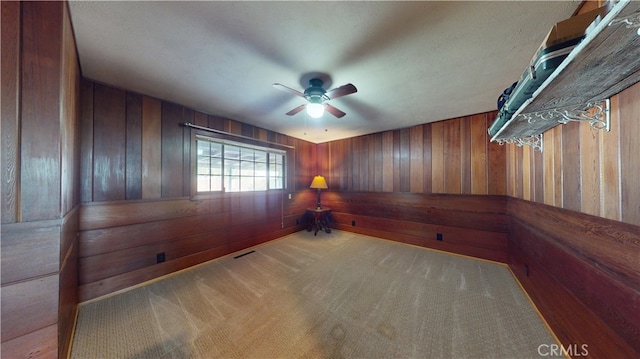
[[315, 93]]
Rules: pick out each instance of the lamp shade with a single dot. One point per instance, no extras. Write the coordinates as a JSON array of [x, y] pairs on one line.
[[319, 183]]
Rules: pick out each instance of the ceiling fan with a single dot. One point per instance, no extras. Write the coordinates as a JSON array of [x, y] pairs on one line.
[[317, 97]]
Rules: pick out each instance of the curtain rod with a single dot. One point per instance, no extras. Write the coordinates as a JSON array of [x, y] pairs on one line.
[[189, 124]]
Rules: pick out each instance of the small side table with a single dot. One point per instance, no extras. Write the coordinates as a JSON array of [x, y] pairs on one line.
[[319, 220]]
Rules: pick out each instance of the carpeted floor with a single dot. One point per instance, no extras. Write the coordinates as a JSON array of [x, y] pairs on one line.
[[326, 296]]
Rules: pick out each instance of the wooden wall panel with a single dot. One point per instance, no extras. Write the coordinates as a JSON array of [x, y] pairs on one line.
[[426, 159], [151, 148], [86, 140], [41, 171], [437, 157], [69, 120], [571, 176], [497, 169], [586, 170], [470, 225], [40, 111], [538, 177], [22, 242], [133, 159], [172, 150], [590, 170], [629, 102], [10, 92], [610, 201], [592, 258], [479, 154], [42, 343], [452, 156], [120, 239], [465, 155], [109, 140], [387, 161], [29, 305], [416, 163]]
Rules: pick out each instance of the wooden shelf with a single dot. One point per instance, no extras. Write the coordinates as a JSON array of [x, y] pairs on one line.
[[606, 62]]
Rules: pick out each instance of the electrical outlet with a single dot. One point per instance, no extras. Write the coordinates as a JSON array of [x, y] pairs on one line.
[[438, 236], [289, 195], [297, 221], [160, 257], [353, 223]]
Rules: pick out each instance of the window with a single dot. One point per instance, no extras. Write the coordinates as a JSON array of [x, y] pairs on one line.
[[234, 167]]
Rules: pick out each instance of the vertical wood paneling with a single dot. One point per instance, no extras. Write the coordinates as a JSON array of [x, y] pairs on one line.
[[512, 169], [426, 159], [387, 161], [86, 141], [538, 176], [519, 181], [365, 163], [375, 155], [40, 110], [201, 119], [186, 153], [452, 156], [172, 150], [336, 150], [526, 172], [465, 155], [10, 92], [41, 160], [396, 160], [133, 175], [437, 157], [109, 144], [322, 163], [479, 154], [405, 160], [590, 169], [558, 168], [151, 147], [548, 167], [610, 165], [416, 175], [629, 151], [69, 120], [354, 159], [571, 175], [496, 169]]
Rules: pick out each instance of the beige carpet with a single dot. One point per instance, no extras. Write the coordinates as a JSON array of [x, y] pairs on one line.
[[326, 296]]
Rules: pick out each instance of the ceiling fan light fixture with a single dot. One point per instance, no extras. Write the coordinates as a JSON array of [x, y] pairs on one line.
[[315, 110]]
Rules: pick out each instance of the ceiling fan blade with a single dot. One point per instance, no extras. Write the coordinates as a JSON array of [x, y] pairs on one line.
[[334, 111], [341, 91], [288, 89], [296, 110]]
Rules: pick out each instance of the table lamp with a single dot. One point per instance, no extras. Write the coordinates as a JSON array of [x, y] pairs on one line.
[[319, 183]]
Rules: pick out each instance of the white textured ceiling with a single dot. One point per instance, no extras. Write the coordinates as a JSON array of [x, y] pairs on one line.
[[412, 62]]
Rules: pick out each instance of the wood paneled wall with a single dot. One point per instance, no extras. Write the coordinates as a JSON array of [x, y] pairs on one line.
[[470, 225], [585, 170], [40, 165], [452, 156], [582, 272], [410, 184], [574, 232], [137, 189]]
